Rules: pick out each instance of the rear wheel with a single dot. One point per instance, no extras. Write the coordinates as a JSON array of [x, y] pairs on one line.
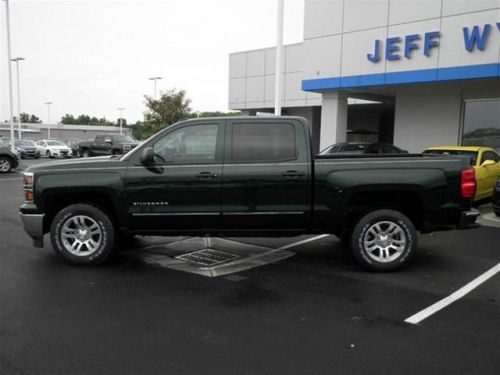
[[82, 234], [5, 164], [384, 240], [85, 153]]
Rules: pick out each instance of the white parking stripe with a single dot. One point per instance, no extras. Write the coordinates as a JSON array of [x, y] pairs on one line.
[[418, 317], [10, 179], [303, 242]]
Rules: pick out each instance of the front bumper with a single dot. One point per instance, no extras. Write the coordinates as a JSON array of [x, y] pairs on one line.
[[33, 225], [468, 219]]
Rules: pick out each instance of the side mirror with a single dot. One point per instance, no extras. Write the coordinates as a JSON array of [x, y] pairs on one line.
[[488, 163], [147, 156]]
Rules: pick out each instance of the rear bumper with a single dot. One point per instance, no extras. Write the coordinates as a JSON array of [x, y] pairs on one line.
[[33, 225], [468, 219]]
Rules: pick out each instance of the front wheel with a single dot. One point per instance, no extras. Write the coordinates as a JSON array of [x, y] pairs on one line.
[[48, 154], [5, 164], [82, 234], [384, 240]]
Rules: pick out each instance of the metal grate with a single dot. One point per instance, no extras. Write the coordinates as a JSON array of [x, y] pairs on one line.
[[208, 257]]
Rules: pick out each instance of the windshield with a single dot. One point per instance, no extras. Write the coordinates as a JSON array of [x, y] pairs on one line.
[[471, 155], [123, 139], [55, 143], [24, 143]]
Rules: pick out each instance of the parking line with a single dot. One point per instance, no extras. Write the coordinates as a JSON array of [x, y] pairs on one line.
[[418, 317], [303, 242], [7, 179]]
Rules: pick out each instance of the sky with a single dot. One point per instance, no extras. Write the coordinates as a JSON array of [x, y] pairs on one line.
[[92, 57]]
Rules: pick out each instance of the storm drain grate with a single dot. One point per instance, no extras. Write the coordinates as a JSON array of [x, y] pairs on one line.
[[208, 257]]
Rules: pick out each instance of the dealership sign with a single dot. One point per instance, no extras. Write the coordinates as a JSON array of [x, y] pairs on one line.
[[397, 47]]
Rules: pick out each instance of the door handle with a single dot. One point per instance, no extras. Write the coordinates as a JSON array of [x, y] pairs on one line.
[[207, 175], [292, 174]]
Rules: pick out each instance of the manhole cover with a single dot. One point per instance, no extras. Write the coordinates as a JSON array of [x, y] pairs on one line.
[[208, 257]]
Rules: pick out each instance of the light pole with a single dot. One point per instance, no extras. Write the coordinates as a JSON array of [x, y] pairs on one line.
[[279, 51], [154, 79], [16, 60], [120, 119], [48, 118], [11, 100]]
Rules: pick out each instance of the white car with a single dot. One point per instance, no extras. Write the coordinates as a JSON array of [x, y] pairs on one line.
[[52, 148]]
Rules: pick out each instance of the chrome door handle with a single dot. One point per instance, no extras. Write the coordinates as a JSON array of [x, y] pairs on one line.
[[292, 174], [207, 175]]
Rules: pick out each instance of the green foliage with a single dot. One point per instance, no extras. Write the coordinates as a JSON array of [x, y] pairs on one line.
[[217, 114], [85, 120], [29, 119], [171, 107]]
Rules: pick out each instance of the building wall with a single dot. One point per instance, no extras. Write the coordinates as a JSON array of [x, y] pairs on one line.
[[432, 115], [251, 79], [339, 34]]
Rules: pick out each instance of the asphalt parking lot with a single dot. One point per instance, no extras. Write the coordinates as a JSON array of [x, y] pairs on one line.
[[312, 310]]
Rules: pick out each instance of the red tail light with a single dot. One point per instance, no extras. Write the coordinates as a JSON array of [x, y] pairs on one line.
[[468, 183]]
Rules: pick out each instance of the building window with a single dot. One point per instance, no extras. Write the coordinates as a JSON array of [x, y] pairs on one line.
[[482, 123]]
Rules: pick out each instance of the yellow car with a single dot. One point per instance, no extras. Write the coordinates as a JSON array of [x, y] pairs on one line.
[[486, 163]]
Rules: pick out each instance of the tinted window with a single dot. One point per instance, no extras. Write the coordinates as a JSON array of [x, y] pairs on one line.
[[263, 142], [353, 149], [488, 155], [190, 144], [99, 139]]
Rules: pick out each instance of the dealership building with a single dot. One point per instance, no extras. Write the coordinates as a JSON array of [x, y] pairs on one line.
[[415, 73]]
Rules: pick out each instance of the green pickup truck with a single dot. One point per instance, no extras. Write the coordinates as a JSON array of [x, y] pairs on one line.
[[246, 176]]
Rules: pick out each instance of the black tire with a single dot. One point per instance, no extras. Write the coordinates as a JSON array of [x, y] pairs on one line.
[[85, 153], [386, 247], [48, 154], [5, 164], [94, 248], [497, 213]]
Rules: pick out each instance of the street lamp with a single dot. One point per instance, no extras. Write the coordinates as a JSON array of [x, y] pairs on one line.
[[11, 100], [48, 118], [16, 60], [120, 118], [154, 79]]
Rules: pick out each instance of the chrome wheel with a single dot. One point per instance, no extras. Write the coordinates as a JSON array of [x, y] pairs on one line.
[[385, 241], [4, 165], [81, 235]]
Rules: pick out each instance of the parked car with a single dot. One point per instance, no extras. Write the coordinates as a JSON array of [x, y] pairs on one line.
[[359, 148], [248, 176], [496, 198], [107, 145], [25, 148], [8, 159], [52, 148], [486, 163]]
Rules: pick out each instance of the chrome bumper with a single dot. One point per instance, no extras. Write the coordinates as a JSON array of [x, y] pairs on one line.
[[33, 225]]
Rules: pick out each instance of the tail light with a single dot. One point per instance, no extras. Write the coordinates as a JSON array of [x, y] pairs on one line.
[[468, 183]]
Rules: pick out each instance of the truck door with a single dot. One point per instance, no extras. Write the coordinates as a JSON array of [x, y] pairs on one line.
[[182, 189], [98, 146], [266, 176]]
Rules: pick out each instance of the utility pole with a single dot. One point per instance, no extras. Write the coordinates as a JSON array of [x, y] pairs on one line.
[[120, 119], [16, 60], [48, 119], [154, 79], [279, 51], [11, 100]]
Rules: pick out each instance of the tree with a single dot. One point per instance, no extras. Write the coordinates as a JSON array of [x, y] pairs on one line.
[[85, 120], [171, 107], [29, 119], [217, 114]]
